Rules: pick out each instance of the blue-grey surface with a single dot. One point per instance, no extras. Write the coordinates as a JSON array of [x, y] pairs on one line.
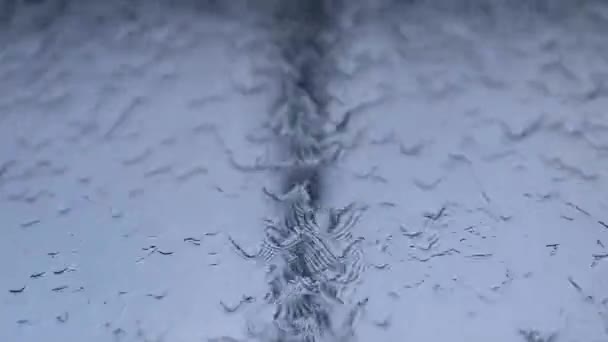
[[133, 136]]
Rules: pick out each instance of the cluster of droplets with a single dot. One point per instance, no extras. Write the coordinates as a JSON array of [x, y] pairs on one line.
[[313, 260], [311, 267], [299, 124]]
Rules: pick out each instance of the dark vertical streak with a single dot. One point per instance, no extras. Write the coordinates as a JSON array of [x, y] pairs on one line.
[[302, 47], [305, 289]]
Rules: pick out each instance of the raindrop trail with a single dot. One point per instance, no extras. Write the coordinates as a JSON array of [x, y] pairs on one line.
[[316, 262]]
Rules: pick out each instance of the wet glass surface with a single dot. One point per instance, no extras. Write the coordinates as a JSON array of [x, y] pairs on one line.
[[303, 171]]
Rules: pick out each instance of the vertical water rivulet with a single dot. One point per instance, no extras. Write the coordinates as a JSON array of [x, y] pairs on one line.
[[313, 258]]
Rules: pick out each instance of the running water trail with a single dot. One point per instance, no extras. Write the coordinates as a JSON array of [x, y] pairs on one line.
[[313, 259]]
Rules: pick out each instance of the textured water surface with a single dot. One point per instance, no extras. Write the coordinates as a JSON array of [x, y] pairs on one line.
[[303, 171]]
